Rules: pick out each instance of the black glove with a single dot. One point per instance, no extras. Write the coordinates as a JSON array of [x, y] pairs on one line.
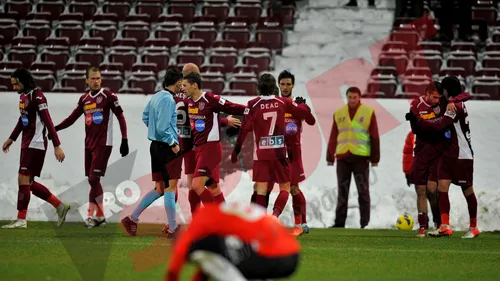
[[407, 176], [410, 117], [57, 128], [231, 132], [300, 100], [124, 147]]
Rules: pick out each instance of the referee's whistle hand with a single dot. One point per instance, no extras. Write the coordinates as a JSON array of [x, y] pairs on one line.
[[176, 149]]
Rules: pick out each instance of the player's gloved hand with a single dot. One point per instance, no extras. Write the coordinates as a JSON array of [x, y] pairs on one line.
[[300, 100], [57, 128], [232, 131], [124, 147], [234, 155], [410, 117], [407, 176]]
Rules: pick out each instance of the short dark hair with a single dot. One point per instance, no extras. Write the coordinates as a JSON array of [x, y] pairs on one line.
[[452, 85], [172, 76], [355, 90], [286, 74], [434, 86], [24, 76], [91, 69], [193, 78], [267, 85]]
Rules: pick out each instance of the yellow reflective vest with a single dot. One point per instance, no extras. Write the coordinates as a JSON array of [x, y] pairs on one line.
[[353, 134]]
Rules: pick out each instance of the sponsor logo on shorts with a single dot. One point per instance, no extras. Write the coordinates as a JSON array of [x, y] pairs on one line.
[[199, 125], [291, 128], [24, 120], [89, 106], [97, 117], [88, 119]]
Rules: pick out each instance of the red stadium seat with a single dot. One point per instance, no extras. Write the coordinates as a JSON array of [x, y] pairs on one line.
[[467, 63], [105, 19], [491, 54], [244, 83], [381, 88], [193, 43], [24, 40], [72, 17], [186, 10], [57, 89], [5, 79], [127, 56], [40, 16], [121, 9], [88, 9], [10, 65], [131, 91], [92, 55], [147, 84], [107, 32], [141, 34], [239, 33], [286, 14], [40, 29], [112, 80], [8, 29], [487, 73], [464, 46], [159, 43], [495, 37], [59, 42], [78, 66], [219, 10], [25, 55], [396, 59], [129, 43], [190, 54], [204, 30], [455, 71], [112, 66], [487, 14], [45, 66], [492, 89], [213, 68], [384, 72], [171, 18], [434, 63], [57, 54], [169, 30], [270, 32], [395, 45], [252, 11], [225, 44], [44, 79], [410, 37], [53, 8], [72, 30], [493, 47], [235, 92], [146, 67], [227, 59], [160, 57], [22, 8], [262, 60], [415, 87], [418, 73], [215, 85], [134, 18], [153, 9], [491, 62], [97, 42]]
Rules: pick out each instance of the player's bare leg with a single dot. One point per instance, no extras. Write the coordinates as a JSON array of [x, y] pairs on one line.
[[422, 209], [96, 204], [198, 185], [470, 196], [130, 222], [444, 207], [27, 185], [432, 197], [216, 192], [299, 208]]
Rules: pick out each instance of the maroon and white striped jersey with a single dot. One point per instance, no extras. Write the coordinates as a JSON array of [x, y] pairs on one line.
[[34, 121]]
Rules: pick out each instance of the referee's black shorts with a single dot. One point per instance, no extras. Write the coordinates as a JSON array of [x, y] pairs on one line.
[[161, 153], [243, 256]]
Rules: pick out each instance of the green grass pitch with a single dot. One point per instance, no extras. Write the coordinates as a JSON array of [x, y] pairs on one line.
[[75, 253]]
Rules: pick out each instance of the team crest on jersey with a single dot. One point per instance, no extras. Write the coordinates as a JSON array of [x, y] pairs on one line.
[[437, 109], [99, 99], [201, 105]]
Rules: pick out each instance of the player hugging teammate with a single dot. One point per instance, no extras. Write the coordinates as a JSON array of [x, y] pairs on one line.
[[443, 135]]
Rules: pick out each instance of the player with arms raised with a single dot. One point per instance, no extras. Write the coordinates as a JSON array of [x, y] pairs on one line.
[[34, 122], [97, 104], [428, 148], [248, 245], [266, 117], [456, 165], [203, 111]]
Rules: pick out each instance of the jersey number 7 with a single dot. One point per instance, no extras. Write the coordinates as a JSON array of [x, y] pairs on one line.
[[273, 115]]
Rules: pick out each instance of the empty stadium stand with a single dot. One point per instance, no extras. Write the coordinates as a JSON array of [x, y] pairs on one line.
[[407, 63], [133, 42]]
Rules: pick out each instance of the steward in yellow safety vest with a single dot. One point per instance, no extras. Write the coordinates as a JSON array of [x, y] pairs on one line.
[[353, 134]]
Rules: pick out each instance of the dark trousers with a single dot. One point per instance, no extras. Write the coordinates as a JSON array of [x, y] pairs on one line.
[[361, 171], [161, 153], [462, 16]]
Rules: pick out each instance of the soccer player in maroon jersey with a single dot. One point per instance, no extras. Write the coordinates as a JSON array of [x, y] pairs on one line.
[[34, 123], [266, 118], [203, 111], [428, 147], [97, 104], [456, 164]]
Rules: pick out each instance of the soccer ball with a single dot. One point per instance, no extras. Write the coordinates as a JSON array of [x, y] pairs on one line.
[[405, 222]]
